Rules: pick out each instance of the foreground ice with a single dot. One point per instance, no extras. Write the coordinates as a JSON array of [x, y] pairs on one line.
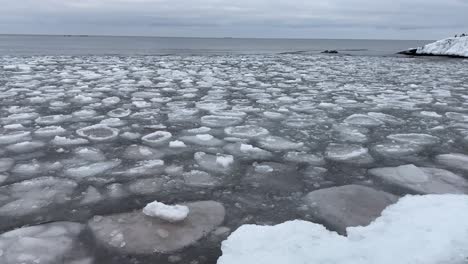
[[429, 229]]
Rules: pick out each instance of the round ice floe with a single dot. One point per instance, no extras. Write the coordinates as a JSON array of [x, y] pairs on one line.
[[136, 233], [271, 176], [98, 133], [85, 114], [119, 113], [169, 213], [203, 140], [111, 100], [228, 113], [45, 244], [6, 164], [212, 105], [220, 121], [362, 206], [50, 131], [89, 154], [113, 122], [422, 180], [156, 139], [216, 163], [413, 138], [350, 133], [363, 120], [27, 169], [33, 195], [197, 178], [91, 170], [274, 115], [397, 150], [19, 118], [138, 152], [248, 131], [455, 161], [64, 141], [457, 116], [247, 152], [52, 119], [177, 144], [26, 146], [14, 137], [354, 154], [303, 157], [275, 143], [144, 168], [389, 119], [130, 135], [14, 127]]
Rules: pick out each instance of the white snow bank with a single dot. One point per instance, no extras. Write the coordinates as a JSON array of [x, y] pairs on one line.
[[446, 47], [169, 213], [416, 230]]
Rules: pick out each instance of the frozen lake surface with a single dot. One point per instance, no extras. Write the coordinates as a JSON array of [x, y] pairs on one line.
[[86, 142]]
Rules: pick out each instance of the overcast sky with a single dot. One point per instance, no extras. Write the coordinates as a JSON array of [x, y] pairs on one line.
[[378, 19]]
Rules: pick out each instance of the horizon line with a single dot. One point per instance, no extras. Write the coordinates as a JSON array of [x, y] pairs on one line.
[[199, 37]]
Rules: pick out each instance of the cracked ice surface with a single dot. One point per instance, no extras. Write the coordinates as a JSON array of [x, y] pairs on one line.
[[87, 136]]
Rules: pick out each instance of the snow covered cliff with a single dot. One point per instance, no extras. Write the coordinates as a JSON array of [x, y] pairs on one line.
[[455, 47]]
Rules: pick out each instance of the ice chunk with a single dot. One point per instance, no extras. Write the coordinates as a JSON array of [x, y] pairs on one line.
[[169, 213], [303, 157], [52, 119], [427, 229], [119, 113]]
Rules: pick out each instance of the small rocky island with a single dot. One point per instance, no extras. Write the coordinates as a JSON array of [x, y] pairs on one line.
[[449, 47]]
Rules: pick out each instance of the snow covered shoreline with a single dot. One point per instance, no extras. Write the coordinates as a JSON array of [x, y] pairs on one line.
[[417, 229], [450, 47]]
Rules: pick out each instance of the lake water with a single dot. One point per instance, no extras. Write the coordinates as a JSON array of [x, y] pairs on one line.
[[98, 45], [242, 131]]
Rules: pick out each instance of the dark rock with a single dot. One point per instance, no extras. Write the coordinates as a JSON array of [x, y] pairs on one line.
[[330, 51]]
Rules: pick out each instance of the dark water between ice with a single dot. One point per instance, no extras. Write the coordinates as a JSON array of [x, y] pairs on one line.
[[100, 45]]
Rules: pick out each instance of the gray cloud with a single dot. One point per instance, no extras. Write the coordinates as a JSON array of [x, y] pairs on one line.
[[423, 19]]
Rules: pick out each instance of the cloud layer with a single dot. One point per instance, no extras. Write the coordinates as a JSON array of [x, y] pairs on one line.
[[415, 19]]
